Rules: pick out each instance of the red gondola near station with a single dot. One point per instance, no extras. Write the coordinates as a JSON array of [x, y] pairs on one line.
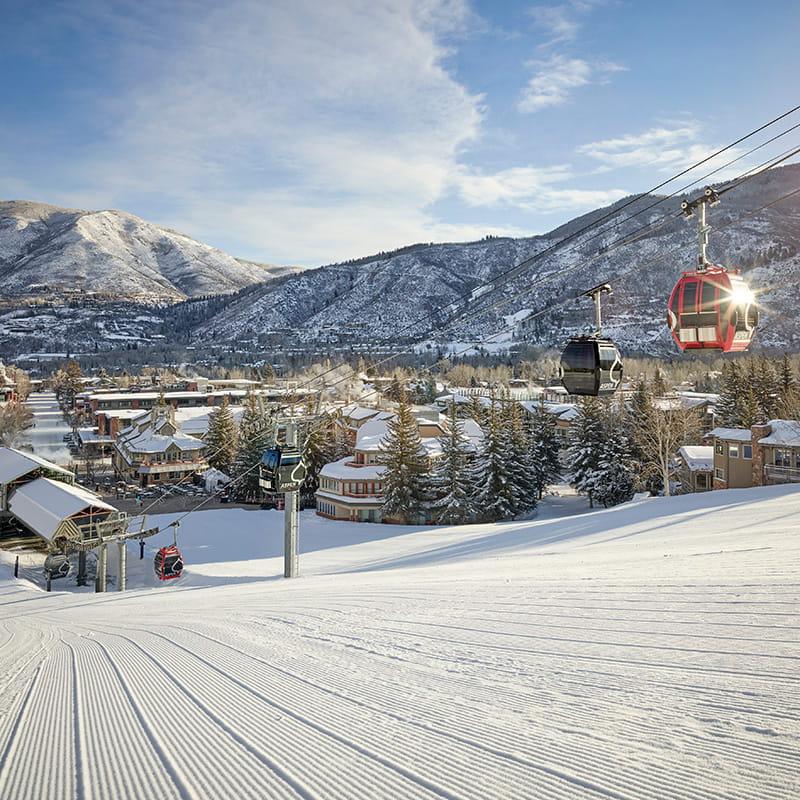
[[168, 563]]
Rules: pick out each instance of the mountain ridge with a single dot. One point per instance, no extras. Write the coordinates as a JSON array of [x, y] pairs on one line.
[[43, 245]]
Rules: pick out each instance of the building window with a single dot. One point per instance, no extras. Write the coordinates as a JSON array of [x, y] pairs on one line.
[[783, 458], [719, 448], [747, 451], [733, 450], [719, 473]]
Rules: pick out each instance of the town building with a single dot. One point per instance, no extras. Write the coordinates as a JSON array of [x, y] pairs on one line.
[[153, 450], [695, 468], [762, 455]]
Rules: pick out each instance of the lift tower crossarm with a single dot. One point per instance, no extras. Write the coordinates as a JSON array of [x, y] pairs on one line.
[[709, 197], [595, 295]]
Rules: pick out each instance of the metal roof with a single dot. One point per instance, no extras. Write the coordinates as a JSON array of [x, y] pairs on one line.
[[14, 464], [43, 504]]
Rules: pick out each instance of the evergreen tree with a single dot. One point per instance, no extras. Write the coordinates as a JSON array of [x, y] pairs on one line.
[[613, 481], [404, 477], [524, 487], [750, 409], [730, 396], [544, 448], [317, 448], [453, 481], [497, 490], [788, 405], [659, 387], [786, 379], [586, 447], [222, 438], [766, 388], [255, 436]]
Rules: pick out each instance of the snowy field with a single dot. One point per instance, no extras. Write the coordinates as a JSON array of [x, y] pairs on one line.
[[647, 652]]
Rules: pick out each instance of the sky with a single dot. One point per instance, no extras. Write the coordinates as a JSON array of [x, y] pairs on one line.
[[310, 132]]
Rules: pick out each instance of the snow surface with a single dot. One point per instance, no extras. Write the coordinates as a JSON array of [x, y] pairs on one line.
[[645, 652]]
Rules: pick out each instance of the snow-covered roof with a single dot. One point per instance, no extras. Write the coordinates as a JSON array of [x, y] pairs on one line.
[[355, 411], [143, 436], [371, 434], [87, 435], [562, 410], [194, 421], [732, 434], [698, 458], [121, 413], [340, 470], [43, 504], [14, 464], [784, 431], [678, 403]]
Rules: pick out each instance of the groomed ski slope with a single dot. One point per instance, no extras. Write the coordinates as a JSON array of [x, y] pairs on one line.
[[647, 652]]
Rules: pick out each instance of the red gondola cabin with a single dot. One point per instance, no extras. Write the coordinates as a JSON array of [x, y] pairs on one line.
[[712, 310], [168, 563]]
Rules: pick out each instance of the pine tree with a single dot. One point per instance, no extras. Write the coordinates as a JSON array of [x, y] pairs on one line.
[[497, 491], [586, 447], [788, 405], [544, 449], [766, 388], [453, 480], [786, 379], [317, 447], [255, 436], [613, 481], [524, 487], [222, 438], [730, 396], [404, 477]]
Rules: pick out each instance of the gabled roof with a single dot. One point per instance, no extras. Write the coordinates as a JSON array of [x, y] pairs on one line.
[[698, 457], [14, 464], [784, 431], [732, 434], [43, 504]]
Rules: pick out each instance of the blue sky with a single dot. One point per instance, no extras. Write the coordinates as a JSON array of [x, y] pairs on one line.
[[308, 132]]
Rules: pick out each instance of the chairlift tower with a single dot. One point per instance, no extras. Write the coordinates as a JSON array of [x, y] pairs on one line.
[[282, 471]]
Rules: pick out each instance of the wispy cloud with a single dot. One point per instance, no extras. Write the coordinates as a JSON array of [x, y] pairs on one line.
[[531, 189], [559, 23], [336, 106], [658, 147], [555, 79]]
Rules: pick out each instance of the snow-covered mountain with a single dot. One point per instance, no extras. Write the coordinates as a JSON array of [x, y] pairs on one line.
[[528, 290], [44, 247], [465, 292]]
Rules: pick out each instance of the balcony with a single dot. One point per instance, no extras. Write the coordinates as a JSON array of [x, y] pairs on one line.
[[781, 474]]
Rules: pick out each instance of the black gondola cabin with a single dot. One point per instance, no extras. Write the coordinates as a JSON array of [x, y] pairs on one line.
[[591, 366], [282, 470]]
